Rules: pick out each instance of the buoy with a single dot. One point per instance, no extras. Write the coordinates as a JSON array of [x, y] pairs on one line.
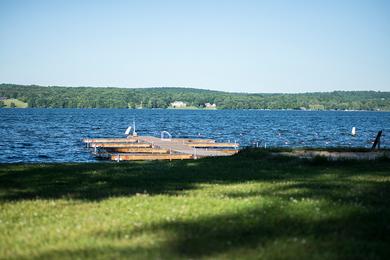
[[353, 131]]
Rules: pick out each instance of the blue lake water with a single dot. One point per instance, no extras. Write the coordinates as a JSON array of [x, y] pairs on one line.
[[54, 135]]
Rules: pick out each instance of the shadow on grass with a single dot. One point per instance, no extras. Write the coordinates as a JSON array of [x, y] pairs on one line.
[[87, 181], [96, 181], [259, 228], [360, 233], [272, 231]]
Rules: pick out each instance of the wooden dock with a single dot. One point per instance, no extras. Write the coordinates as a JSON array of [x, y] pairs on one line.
[[109, 140], [137, 150], [144, 157], [153, 148], [123, 145]]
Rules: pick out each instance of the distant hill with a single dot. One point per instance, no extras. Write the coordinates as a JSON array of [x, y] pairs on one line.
[[97, 97]]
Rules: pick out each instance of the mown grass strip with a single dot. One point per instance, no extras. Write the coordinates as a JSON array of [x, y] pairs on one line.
[[252, 205]]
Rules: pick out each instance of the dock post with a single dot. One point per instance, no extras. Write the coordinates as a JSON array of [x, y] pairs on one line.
[[377, 141]]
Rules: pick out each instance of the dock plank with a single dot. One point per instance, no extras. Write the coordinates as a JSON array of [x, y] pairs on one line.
[[110, 140], [214, 145], [138, 150], [120, 145], [180, 147], [143, 157], [185, 140]]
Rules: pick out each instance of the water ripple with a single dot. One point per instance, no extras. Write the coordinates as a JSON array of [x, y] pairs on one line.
[[54, 135]]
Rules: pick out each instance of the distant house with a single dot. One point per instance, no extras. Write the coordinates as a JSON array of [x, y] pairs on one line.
[[178, 104], [208, 105]]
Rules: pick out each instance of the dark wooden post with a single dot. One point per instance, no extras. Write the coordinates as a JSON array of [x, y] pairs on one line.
[[377, 141]]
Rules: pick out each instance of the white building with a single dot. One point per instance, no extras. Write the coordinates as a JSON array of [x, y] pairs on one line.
[[178, 104], [208, 105]]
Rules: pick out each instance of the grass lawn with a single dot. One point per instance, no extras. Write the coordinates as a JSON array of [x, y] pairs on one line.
[[251, 205], [18, 103]]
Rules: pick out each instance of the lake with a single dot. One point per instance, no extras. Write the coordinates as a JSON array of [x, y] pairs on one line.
[[54, 135]]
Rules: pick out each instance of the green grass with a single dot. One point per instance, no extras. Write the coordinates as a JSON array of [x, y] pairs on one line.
[[252, 205], [18, 103]]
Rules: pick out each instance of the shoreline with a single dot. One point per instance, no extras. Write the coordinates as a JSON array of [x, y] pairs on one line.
[[207, 109], [329, 154]]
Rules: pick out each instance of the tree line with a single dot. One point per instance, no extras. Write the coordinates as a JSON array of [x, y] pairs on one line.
[[108, 97]]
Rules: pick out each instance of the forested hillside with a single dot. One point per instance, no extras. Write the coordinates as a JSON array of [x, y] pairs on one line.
[[92, 97]]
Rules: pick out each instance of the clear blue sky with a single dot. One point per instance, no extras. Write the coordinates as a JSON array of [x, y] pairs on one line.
[[240, 46]]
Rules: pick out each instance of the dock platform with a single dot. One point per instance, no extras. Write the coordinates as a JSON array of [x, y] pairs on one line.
[[153, 148]]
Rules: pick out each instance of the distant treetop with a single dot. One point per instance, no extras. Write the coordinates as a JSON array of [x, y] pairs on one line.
[[98, 97]]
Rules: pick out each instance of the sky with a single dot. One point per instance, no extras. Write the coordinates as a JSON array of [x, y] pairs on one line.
[[237, 46]]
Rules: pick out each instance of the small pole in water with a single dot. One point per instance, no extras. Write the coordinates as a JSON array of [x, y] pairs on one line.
[[134, 132], [377, 141], [353, 131]]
